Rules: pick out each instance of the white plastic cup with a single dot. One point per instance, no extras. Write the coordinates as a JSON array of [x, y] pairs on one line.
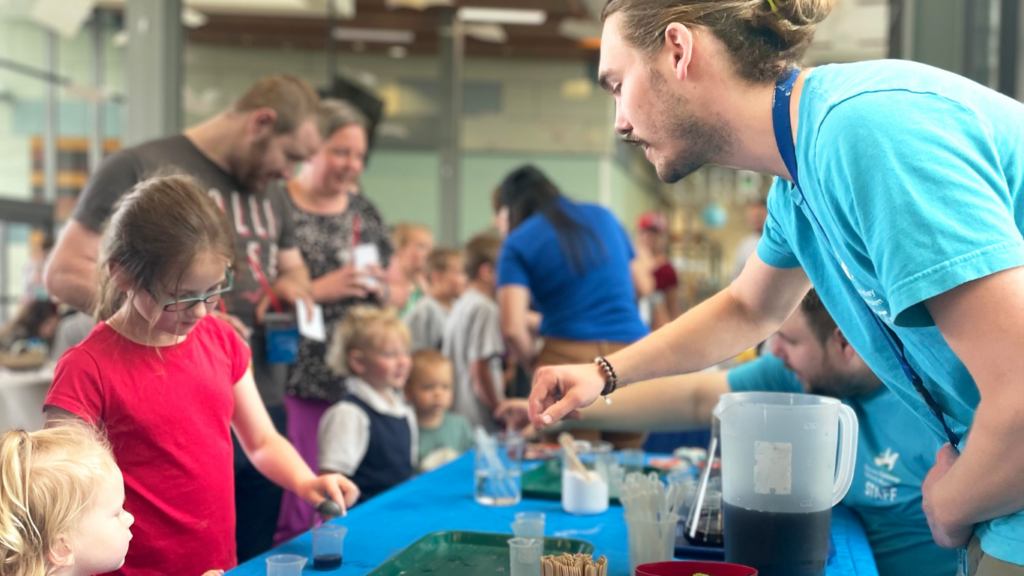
[[285, 565], [529, 525]]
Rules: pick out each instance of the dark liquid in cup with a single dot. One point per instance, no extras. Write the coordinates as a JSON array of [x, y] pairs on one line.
[[327, 562], [778, 543], [709, 531]]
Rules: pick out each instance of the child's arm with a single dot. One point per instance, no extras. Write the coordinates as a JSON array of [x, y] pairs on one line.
[[275, 457], [483, 384]]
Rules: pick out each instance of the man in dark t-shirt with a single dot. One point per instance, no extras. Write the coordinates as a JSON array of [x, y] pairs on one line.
[[235, 156]]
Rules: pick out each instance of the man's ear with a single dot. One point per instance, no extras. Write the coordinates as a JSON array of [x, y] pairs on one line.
[[60, 554], [678, 49], [845, 348], [260, 123]]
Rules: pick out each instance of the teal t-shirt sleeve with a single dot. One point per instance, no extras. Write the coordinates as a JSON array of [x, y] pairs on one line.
[[773, 248], [512, 266], [918, 179], [766, 374], [463, 433]]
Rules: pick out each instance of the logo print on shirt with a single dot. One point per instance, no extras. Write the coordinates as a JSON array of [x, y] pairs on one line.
[[846, 270], [887, 459]]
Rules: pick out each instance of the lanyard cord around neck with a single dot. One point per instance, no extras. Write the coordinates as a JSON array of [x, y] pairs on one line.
[[784, 139]]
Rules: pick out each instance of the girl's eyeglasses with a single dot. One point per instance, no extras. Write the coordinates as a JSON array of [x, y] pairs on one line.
[[209, 300]]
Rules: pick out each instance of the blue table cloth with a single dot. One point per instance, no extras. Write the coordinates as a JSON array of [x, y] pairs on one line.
[[443, 500]]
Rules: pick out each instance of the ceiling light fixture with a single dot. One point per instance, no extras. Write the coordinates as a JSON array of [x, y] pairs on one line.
[[492, 33], [378, 35], [513, 16]]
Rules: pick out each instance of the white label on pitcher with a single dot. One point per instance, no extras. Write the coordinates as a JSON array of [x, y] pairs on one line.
[[773, 468]]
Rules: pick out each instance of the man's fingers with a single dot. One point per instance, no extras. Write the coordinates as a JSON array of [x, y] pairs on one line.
[[536, 403], [559, 410]]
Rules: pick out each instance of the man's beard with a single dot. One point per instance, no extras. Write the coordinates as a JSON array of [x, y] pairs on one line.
[[700, 139], [828, 382], [250, 173]]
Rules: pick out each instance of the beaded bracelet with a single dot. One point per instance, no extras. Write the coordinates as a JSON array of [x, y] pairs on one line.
[[611, 380]]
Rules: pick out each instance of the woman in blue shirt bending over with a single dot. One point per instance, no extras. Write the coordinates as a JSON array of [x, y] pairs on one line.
[[899, 195], [574, 260]]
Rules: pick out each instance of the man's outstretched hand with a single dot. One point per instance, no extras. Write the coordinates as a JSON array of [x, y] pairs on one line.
[[558, 391]]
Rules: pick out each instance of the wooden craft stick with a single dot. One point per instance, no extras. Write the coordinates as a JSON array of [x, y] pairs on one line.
[[566, 440]]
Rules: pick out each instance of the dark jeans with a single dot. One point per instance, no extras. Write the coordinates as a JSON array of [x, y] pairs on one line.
[[257, 500]]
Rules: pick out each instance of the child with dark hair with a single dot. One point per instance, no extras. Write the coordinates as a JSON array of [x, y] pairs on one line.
[[472, 337], [169, 382], [446, 279]]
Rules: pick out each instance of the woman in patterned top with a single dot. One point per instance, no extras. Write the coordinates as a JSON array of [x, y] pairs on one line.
[[331, 220]]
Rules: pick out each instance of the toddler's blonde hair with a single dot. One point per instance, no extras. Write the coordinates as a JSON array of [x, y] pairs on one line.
[[362, 328], [47, 479]]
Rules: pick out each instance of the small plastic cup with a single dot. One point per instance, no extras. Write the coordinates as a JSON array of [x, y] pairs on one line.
[[529, 525], [633, 460], [650, 540], [285, 565], [525, 554], [328, 546], [497, 473]]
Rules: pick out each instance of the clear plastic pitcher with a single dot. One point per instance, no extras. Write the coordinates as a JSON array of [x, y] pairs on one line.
[[780, 478]]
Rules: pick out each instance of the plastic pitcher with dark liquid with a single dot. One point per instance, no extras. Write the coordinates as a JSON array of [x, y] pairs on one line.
[[779, 478]]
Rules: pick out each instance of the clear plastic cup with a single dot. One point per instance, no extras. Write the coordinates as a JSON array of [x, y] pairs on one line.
[[650, 540], [633, 460], [529, 525], [328, 546], [498, 470], [525, 554], [285, 565]]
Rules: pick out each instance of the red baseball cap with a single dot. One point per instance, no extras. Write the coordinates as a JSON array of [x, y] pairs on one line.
[[652, 221]]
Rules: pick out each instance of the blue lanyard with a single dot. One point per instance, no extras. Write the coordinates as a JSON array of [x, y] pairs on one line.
[[784, 139]]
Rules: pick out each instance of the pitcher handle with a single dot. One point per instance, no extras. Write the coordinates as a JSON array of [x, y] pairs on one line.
[[847, 453]]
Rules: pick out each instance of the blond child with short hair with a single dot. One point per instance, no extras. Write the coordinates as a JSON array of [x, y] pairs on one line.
[[372, 435], [444, 435], [61, 498]]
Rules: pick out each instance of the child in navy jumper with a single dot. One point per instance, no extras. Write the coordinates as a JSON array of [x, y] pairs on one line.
[[371, 435]]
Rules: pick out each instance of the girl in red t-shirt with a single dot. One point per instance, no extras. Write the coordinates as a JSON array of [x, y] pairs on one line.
[[169, 382]]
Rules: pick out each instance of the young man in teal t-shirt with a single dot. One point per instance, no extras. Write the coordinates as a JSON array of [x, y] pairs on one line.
[[895, 450], [908, 220]]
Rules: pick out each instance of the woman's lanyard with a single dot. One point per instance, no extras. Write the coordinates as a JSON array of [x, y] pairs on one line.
[[784, 139]]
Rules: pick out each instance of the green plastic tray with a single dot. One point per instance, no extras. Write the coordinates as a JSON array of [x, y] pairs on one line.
[[454, 553], [545, 481]]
